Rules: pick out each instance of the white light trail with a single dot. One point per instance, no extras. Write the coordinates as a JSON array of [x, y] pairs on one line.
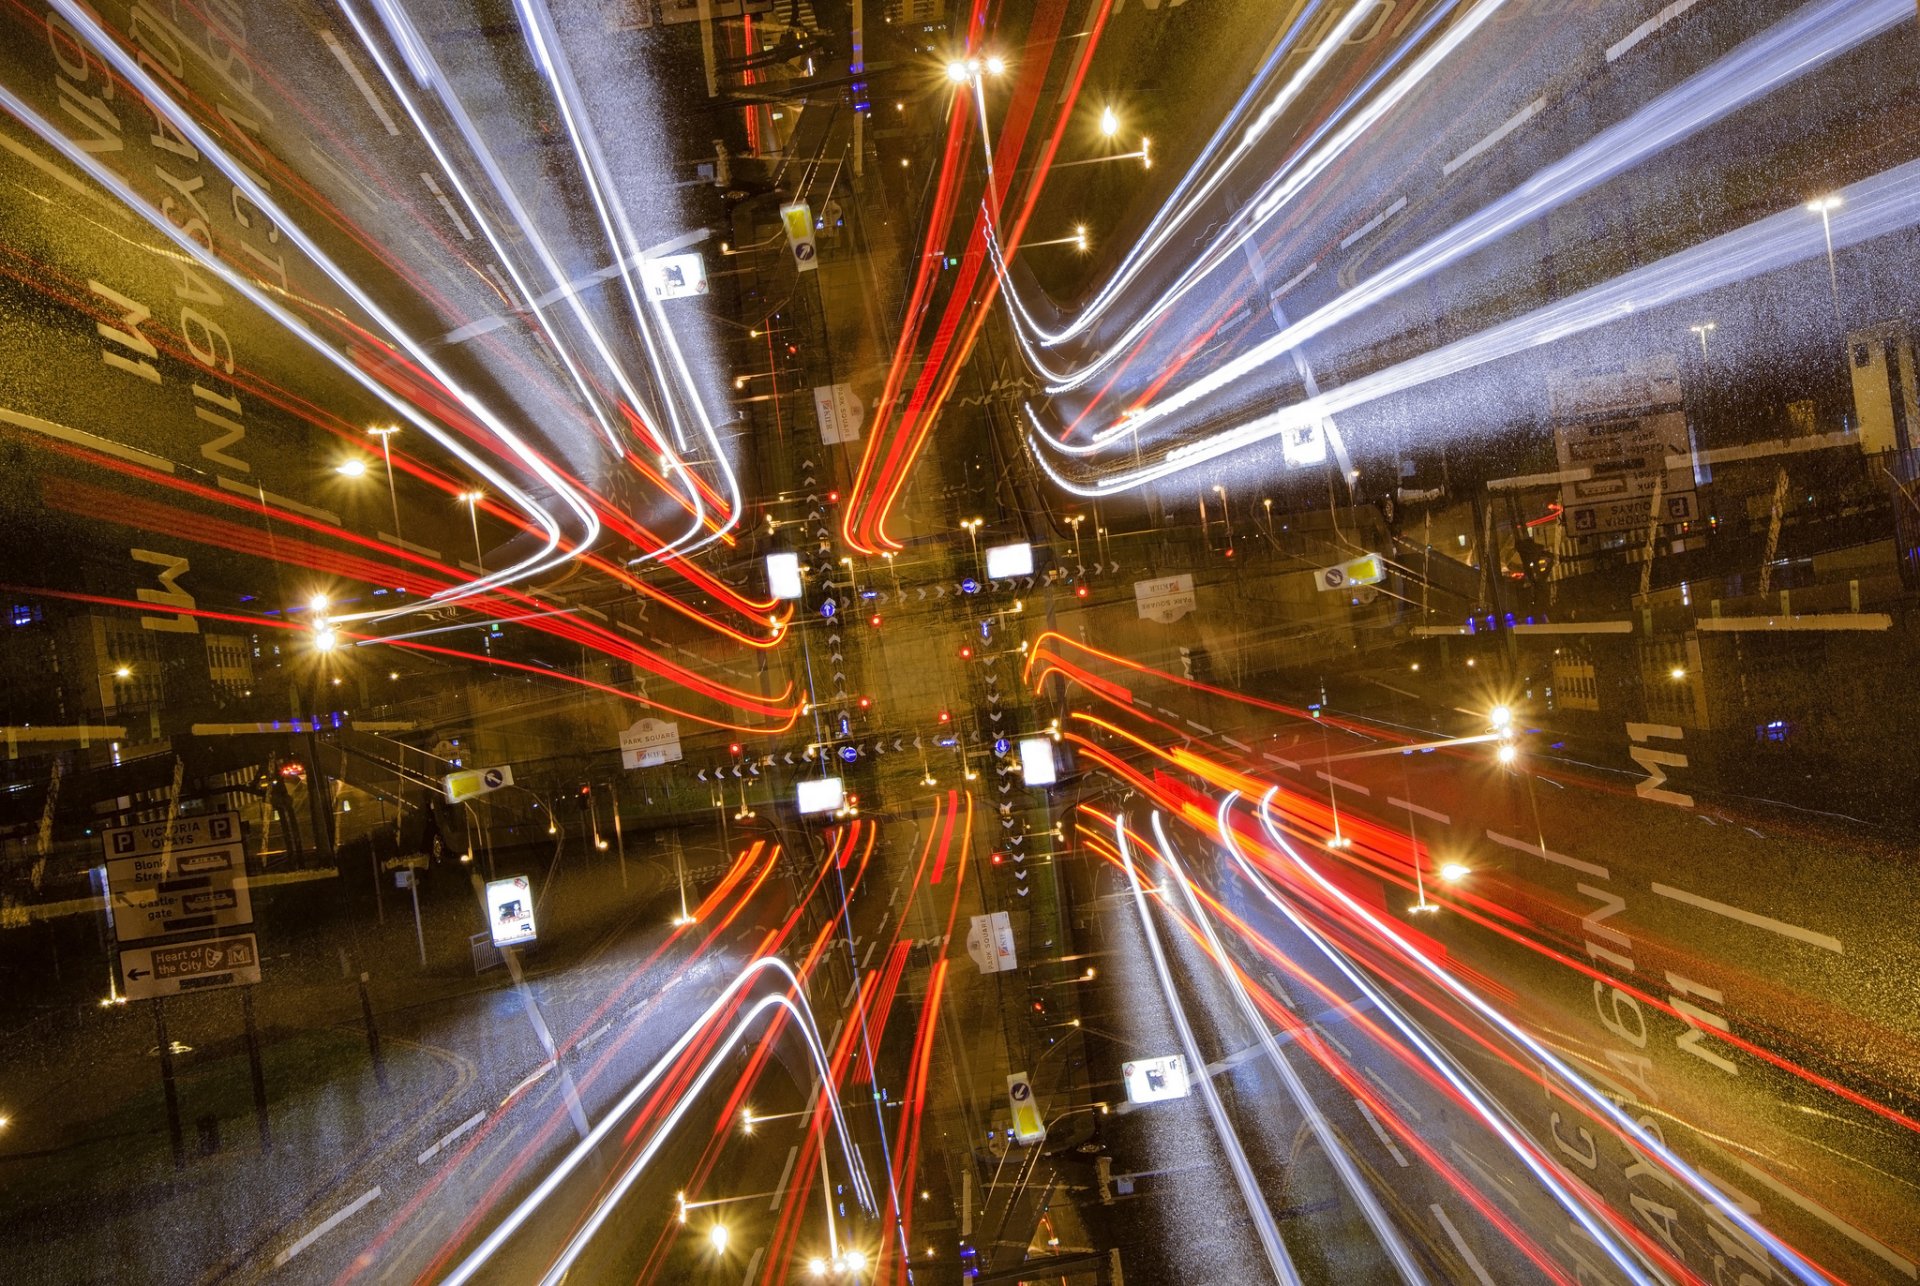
[[1288, 182], [245, 185], [1336, 1152], [1644, 1139], [803, 1016], [1800, 44], [400, 29], [648, 316], [1491, 1114], [1874, 207], [1276, 1251]]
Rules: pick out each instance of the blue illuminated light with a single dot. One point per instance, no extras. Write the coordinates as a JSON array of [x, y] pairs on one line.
[[970, 586]]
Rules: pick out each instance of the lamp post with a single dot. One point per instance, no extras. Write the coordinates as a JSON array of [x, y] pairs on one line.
[[386, 451], [1824, 207], [972, 526]]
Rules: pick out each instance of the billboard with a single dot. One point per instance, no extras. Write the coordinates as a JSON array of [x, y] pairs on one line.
[[820, 795], [783, 576], [1036, 761], [1150, 1080], [510, 911], [1004, 561]]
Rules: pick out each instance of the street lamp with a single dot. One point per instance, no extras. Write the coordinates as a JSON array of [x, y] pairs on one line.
[[386, 450], [1078, 240], [472, 500], [354, 467], [1824, 207], [1703, 330], [1109, 122], [972, 526]]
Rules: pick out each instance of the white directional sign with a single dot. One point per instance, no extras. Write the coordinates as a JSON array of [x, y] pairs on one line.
[[1149, 1080], [145, 907], [1366, 570], [1165, 600], [183, 832], [475, 782], [148, 973], [674, 276], [650, 743], [783, 576]]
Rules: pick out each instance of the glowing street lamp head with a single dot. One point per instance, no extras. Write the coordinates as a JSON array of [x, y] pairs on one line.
[[1824, 205], [324, 639], [1454, 872], [473, 497], [816, 1267], [856, 1261], [352, 468], [996, 65], [1500, 717], [1109, 123], [123, 672], [957, 72], [1507, 753], [1080, 237], [717, 1238]]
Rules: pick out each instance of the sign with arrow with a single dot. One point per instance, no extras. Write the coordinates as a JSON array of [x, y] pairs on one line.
[[148, 973]]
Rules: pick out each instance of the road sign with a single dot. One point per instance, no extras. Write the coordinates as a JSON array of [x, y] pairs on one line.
[[650, 743], [148, 973], [510, 911], [147, 870], [183, 832], [1150, 1080], [797, 219], [144, 908], [1027, 1125], [1365, 570], [1166, 599], [840, 413], [475, 782], [674, 276], [980, 944], [1037, 767]]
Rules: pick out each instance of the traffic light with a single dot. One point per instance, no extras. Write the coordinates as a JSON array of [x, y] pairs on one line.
[[966, 652], [874, 620]]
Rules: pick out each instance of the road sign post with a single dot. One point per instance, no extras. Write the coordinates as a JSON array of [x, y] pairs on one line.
[[167, 1089], [255, 1072]]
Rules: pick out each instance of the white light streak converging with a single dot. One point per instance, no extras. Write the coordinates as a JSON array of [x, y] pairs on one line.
[[427, 71], [246, 186], [802, 1014], [1800, 44], [1336, 1152], [1706, 1193], [1276, 1251], [1885, 203]]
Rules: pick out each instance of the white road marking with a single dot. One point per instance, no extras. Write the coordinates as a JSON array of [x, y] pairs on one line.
[[441, 197], [359, 81], [1280, 291], [1648, 27], [1199, 727], [1343, 783], [1459, 1244], [1768, 923], [333, 1221], [1428, 813], [870, 949], [786, 1172], [1332, 1039], [596, 1033], [1392, 1093], [1276, 759], [450, 1136], [1380, 1130], [1236, 743], [1588, 868], [753, 1266], [1821, 1213], [1378, 219], [1500, 131]]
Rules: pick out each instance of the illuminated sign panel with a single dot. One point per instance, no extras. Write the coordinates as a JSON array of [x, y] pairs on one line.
[[820, 795], [1004, 561], [510, 911]]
